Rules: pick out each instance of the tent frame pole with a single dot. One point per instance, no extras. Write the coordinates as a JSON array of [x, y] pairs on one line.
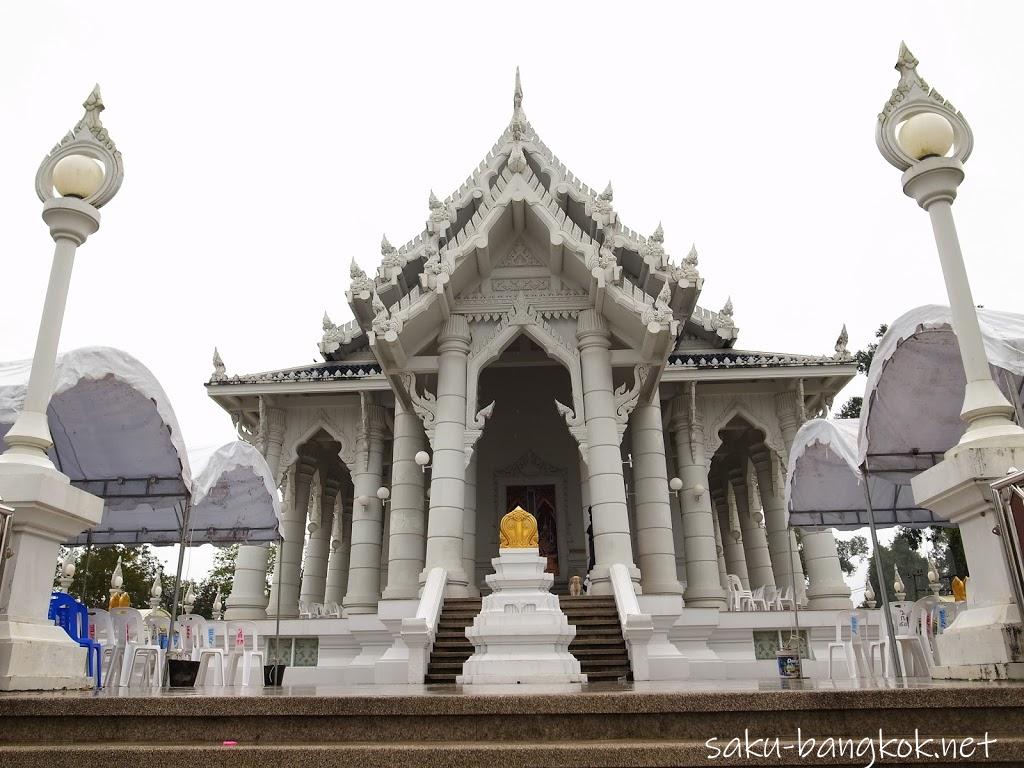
[[883, 592], [177, 584], [277, 617]]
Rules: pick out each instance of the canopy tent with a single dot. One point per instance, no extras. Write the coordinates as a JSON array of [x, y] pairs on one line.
[[234, 498], [915, 388], [825, 487], [116, 436]]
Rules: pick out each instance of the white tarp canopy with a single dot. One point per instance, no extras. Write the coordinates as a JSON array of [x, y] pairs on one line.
[[825, 487], [915, 388], [234, 498], [116, 436]]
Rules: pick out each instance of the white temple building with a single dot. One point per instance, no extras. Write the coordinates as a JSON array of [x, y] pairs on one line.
[[535, 351]]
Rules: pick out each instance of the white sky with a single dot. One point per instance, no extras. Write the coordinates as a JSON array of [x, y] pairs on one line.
[[267, 144]]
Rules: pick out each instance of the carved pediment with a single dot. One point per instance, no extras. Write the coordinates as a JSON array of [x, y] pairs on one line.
[[519, 255]]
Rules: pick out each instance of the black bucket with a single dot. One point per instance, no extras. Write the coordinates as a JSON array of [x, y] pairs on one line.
[[182, 673], [273, 674]]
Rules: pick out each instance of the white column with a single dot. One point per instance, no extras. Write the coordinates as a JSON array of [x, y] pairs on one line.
[[337, 564], [703, 579], [755, 541], [248, 598], [318, 546], [407, 545], [781, 542], [735, 561], [448, 465], [720, 550], [289, 554], [363, 592], [585, 503], [610, 517], [469, 530], [655, 546]]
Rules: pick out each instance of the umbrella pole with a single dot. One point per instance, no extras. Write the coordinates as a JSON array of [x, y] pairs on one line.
[[85, 570], [177, 582], [277, 617], [796, 606], [883, 592]]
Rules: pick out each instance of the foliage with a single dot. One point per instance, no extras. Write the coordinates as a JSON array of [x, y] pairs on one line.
[[913, 569], [218, 579], [94, 567], [865, 356], [850, 552], [851, 408]]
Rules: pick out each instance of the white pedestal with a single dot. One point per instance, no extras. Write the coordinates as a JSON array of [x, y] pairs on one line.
[[34, 654], [521, 635], [984, 642]]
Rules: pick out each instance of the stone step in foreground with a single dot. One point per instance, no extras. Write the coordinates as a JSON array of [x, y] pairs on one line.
[[605, 726]]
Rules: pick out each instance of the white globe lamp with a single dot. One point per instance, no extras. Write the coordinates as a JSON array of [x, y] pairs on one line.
[[77, 176], [926, 134]]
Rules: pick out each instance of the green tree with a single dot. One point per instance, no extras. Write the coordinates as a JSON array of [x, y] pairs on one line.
[[218, 579], [851, 552], [95, 565], [851, 408], [901, 554]]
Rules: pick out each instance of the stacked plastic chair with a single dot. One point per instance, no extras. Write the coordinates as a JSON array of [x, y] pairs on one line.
[[73, 617]]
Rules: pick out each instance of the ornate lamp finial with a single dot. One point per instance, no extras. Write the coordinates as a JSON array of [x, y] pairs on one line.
[[89, 139], [919, 112]]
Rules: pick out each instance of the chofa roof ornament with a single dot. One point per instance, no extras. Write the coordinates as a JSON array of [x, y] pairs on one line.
[[90, 139]]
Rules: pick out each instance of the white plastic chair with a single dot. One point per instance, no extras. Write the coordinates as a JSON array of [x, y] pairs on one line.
[[758, 599], [332, 610], [906, 619], [101, 629], [854, 649], [784, 598], [199, 640], [142, 643], [772, 599], [737, 594], [304, 610], [242, 645]]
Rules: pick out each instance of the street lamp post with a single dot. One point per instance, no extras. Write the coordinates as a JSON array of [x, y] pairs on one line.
[[80, 174], [921, 133]]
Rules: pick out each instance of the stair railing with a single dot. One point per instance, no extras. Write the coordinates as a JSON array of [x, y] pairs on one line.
[[637, 627], [418, 632]]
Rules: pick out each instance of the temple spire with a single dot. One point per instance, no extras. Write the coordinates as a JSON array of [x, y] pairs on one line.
[[517, 96]]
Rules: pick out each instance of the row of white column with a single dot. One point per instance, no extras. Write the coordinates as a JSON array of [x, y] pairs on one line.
[[350, 573]]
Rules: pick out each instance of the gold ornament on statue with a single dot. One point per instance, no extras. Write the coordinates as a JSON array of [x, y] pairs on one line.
[[518, 530]]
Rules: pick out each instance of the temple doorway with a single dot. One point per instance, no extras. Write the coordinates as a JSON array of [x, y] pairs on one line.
[[539, 501]]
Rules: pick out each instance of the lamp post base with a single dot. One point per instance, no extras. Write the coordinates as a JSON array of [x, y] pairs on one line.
[[986, 636], [34, 654]]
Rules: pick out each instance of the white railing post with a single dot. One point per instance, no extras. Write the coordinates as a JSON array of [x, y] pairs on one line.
[[418, 632], [637, 627]]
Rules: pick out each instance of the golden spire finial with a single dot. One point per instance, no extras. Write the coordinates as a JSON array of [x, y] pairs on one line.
[[518, 530]]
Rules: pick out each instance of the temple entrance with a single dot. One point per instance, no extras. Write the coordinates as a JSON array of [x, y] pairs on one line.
[[539, 501]]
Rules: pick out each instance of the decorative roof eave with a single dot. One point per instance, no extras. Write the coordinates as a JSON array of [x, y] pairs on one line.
[[320, 372]]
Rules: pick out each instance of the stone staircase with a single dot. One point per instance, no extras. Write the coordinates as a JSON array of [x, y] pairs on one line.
[[608, 725], [598, 645]]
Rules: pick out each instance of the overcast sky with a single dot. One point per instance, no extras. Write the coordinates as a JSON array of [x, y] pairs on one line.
[[265, 145]]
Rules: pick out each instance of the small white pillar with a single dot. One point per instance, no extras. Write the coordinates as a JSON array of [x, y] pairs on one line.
[[318, 546], [337, 564], [755, 542], [287, 564]]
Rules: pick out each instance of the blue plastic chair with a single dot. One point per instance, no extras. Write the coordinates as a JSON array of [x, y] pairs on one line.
[[73, 617]]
